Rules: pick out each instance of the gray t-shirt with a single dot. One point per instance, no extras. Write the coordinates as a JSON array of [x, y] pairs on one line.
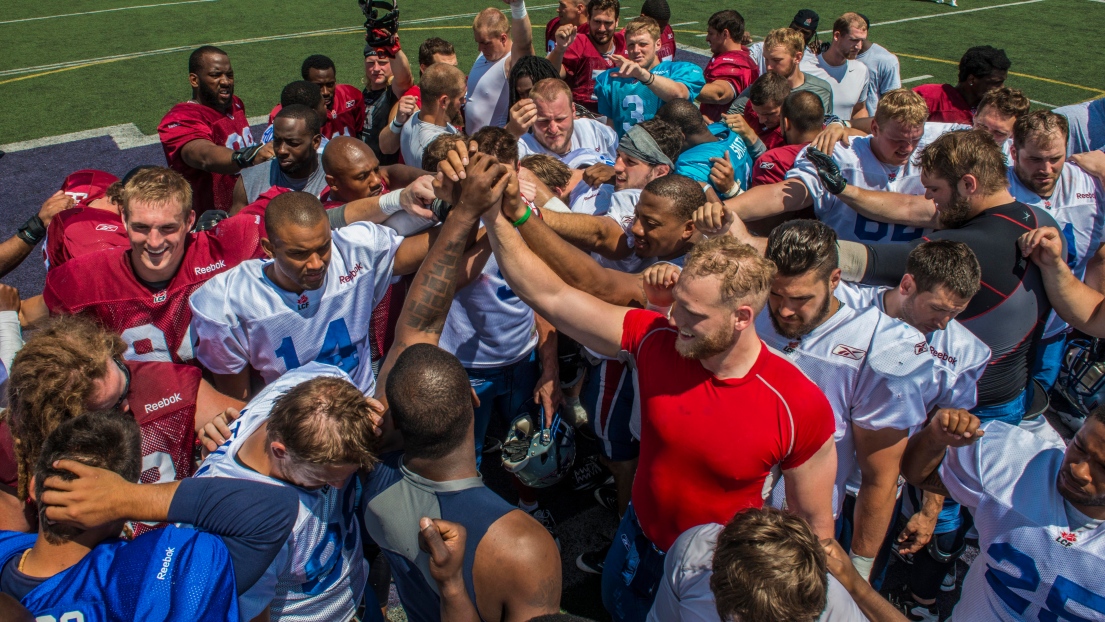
[[1087, 126], [685, 596], [416, 135], [815, 85], [883, 65], [258, 179]]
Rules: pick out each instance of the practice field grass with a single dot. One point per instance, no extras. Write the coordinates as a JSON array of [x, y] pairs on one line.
[[86, 64]]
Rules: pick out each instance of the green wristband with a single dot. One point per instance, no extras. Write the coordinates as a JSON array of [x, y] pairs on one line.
[[521, 221]]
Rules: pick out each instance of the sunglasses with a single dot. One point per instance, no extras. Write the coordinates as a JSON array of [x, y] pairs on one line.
[[126, 386]]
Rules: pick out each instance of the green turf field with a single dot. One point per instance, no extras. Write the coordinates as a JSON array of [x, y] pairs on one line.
[[79, 65]]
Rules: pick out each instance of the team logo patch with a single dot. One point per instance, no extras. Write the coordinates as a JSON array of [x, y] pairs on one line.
[[1047, 204], [767, 165], [107, 227], [161, 296], [920, 348], [849, 352], [1067, 538], [349, 104], [303, 302], [792, 346]]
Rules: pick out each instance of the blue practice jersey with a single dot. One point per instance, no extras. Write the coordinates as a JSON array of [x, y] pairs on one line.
[[627, 101], [738, 153], [167, 574]]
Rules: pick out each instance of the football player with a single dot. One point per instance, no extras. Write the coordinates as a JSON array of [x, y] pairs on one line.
[[731, 69], [636, 87], [581, 55], [501, 43], [836, 64], [345, 109], [207, 138], [92, 224]]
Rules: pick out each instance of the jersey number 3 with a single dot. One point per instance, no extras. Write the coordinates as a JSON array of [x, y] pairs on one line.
[[1063, 590], [337, 349]]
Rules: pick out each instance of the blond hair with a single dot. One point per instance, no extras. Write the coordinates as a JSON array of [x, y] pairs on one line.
[[903, 106], [744, 273], [491, 21], [158, 186], [643, 24], [548, 89], [848, 21], [789, 38]]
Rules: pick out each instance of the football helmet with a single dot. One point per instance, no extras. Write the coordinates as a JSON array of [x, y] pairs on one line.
[[538, 456], [1081, 382], [381, 21]]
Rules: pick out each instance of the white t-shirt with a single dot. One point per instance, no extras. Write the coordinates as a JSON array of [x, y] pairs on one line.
[[589, 138], [488, 95], [959, 358], [684, 594], [416, 135], [1039, 559], [871, 371], [861, 168], [850, 82], [756, 51], [1078, 206], [241, 317], [320, 573]]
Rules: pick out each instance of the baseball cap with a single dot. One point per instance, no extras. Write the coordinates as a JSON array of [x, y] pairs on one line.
[[806, 18], [87, 185]]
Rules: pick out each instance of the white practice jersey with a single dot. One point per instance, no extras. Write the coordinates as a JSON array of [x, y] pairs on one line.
[[850, 82], [1038, 559], [588, 137], [488, 94], [241, 317], [958, 357], [591, 201], [942, 128], [321, 572], [622, 209], [1078, 206], [417, 135], [871, 370], [488, 324], [861, 168]]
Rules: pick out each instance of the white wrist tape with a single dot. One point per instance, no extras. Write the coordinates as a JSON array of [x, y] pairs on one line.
[[11, 337], [389, 203], [863, 565], [556, 205], [518, 9]]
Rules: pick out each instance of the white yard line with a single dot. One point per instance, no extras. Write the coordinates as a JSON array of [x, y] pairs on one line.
[[915, 79], [981, 8], [1045, 103], [122, 8], [689, 23]]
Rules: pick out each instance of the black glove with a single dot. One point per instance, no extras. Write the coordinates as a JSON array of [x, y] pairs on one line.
[[244, 156], [827, 170], [209, 219], [381, 22]]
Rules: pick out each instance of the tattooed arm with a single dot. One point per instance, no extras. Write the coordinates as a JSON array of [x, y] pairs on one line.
[[431, 294]]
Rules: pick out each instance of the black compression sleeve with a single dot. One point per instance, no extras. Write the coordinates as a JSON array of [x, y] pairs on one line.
[[226, 507], [886, 263]]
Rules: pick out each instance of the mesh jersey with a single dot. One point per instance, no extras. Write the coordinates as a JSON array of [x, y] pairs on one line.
[[1078, 205], [488, 324], [345, 117], [153, 324], [737, 69], [190, 121], [884, 68], [168, 574], [162, 398], [945, 104], [583, 63], [958, 357], [666, 49], [869, 367], [772, 166], [1087, 125], [321, 573], [860, 167], [1032, 565], [241, 317], [627, 102], [79, 231], [587, 135], [739, 157]]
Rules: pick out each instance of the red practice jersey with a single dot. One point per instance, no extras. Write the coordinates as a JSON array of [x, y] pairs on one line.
[[162, 399], [79, 231], [772, 167], [666, 50], [190, 121], [735, 68], [154, 324], [708, 445], [583, 63], [550, 32], [771, 138], [945, 104], [344, 118]]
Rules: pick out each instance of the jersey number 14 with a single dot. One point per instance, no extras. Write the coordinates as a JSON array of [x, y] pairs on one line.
[[337, 349]]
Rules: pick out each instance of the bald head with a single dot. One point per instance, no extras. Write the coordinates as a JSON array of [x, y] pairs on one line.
[[352, 169], [341, 152], [301, 209]]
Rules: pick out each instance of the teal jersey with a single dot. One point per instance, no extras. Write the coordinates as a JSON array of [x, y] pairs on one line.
[[738, 153], [627, 102]]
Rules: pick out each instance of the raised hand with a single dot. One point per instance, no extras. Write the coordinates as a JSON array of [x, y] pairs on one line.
[[513, 204], [713, 219], [484, 184], [565, 35], [629, 69], [598, 174], [444, 541], [738, 124], [9, 298], [522, 116], [56, 203], [1044, 246], [722, 176], [408, 105], [416, 198]]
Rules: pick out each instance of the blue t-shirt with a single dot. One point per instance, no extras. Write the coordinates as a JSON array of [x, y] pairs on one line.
[[738, 152], [627, 102]]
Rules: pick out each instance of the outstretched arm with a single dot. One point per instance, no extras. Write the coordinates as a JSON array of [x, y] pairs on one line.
[[891, 207], [768, 200], [595, 234], [581, 316], [18, 247]]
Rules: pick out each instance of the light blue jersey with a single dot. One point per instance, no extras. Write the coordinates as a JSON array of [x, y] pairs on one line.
[[627, 102], [738, 152]]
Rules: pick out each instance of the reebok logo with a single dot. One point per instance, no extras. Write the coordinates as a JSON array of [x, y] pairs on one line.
[[1086, 195], [218, 265], [163, 402], [943, 356], [767, 165], [350, 103], [165, 561], [348, 278], [920, 348], [849, 352], [107, 227]]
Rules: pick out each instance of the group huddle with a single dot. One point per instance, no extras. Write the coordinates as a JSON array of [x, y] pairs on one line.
[[815, 325]]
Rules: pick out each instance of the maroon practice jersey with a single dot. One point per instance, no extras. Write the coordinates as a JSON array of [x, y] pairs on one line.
[[666, 51], [154, 324], [737, 69], [79, 231], [583, 63], [190, 121], [345, 117], [772, 166], [162, 399]]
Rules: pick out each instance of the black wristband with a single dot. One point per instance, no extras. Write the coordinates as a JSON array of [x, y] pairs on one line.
[[244, 157], [32, 231], [440, 209]]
